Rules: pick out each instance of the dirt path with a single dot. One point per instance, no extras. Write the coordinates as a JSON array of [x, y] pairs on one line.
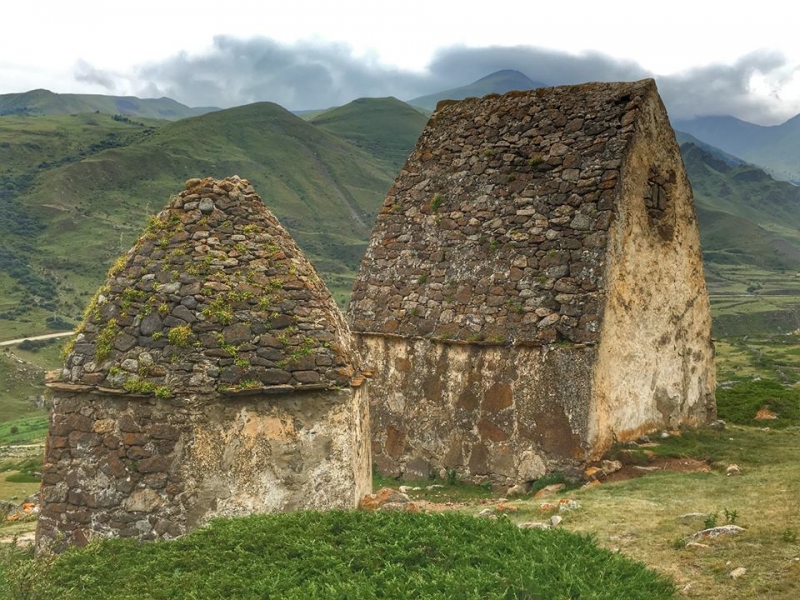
[[46, 336]]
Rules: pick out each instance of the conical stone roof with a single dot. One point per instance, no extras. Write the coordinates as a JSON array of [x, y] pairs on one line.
[[214, 297]]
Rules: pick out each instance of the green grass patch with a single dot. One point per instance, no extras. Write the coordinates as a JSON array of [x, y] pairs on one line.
[[25, 464], [23, 478], [23, 431], [337, 554], [740, 402], [439, 490]]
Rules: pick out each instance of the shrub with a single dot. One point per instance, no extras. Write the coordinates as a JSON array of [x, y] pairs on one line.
[[180, 336], [340, 554], [105, 341], [740, 402]]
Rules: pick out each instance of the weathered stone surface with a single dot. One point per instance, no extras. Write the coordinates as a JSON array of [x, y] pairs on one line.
[[193, 458], [534, 283], [210, 278], [213, 376]]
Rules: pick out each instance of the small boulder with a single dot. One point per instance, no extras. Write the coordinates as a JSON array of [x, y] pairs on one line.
[[737, 573], [382, 497], [765, 414], [517, 490], [611, 466], [532, 525], [717, 531], [549, 490], [567, 505]]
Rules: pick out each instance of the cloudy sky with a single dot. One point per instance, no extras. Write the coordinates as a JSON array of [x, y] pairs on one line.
[[708, 56]]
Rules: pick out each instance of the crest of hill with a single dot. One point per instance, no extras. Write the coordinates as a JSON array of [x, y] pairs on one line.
[[45, 102], [499, 82], [773, 147], [743, 212], [498, 221], [384, 127], [214, 297], [324, 190]]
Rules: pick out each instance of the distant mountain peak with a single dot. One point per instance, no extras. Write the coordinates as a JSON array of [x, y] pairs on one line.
[[45, 102], [499, 82], [505, 73]]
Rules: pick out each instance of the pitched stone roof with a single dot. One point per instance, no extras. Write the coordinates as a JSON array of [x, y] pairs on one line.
[[495, 230], [215, 296]]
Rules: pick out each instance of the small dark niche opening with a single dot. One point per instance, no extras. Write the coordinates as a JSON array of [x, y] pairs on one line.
[[658, 202]]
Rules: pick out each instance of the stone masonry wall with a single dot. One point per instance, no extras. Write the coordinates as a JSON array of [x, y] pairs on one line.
[[501, 414], [155, 469], [213, 375], [215, 295], [544, 244], [495, 229]]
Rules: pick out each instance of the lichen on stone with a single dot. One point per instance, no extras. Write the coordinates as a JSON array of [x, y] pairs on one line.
[[214, 296], [495, 231]]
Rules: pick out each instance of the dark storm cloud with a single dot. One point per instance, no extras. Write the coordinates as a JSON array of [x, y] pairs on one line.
[[309, 75], [299, 76], [547, 66], [86, 73], [725, 90], [708, 90]]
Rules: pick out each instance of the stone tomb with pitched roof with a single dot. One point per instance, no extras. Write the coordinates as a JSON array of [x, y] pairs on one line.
[[533, 289], [212, 376]]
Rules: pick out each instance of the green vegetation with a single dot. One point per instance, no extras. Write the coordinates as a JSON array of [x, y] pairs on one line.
[[135, 385], [384, 127], [751, 250], [104, 342], [45, 102], [82, 186], [23, 430], [740, 402], [180, 336], [219, 310], [341, 555], [22, 375]]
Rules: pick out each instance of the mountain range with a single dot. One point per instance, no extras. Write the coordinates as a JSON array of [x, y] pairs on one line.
[[76, 187], [45, 102], [498, 82], [774, 148]]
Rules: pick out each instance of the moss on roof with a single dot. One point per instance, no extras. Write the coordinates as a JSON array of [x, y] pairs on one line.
[[215, 296]]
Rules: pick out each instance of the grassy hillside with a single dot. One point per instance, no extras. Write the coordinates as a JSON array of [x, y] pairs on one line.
[[45, 102], [495, 83], [325, 191], [729, 159], [31, 147], [751, 244], [749, 193], [385, 127], [773, 148]]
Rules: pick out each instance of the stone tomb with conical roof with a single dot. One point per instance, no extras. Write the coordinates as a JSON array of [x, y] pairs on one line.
[[533, 289], [213, 375]]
